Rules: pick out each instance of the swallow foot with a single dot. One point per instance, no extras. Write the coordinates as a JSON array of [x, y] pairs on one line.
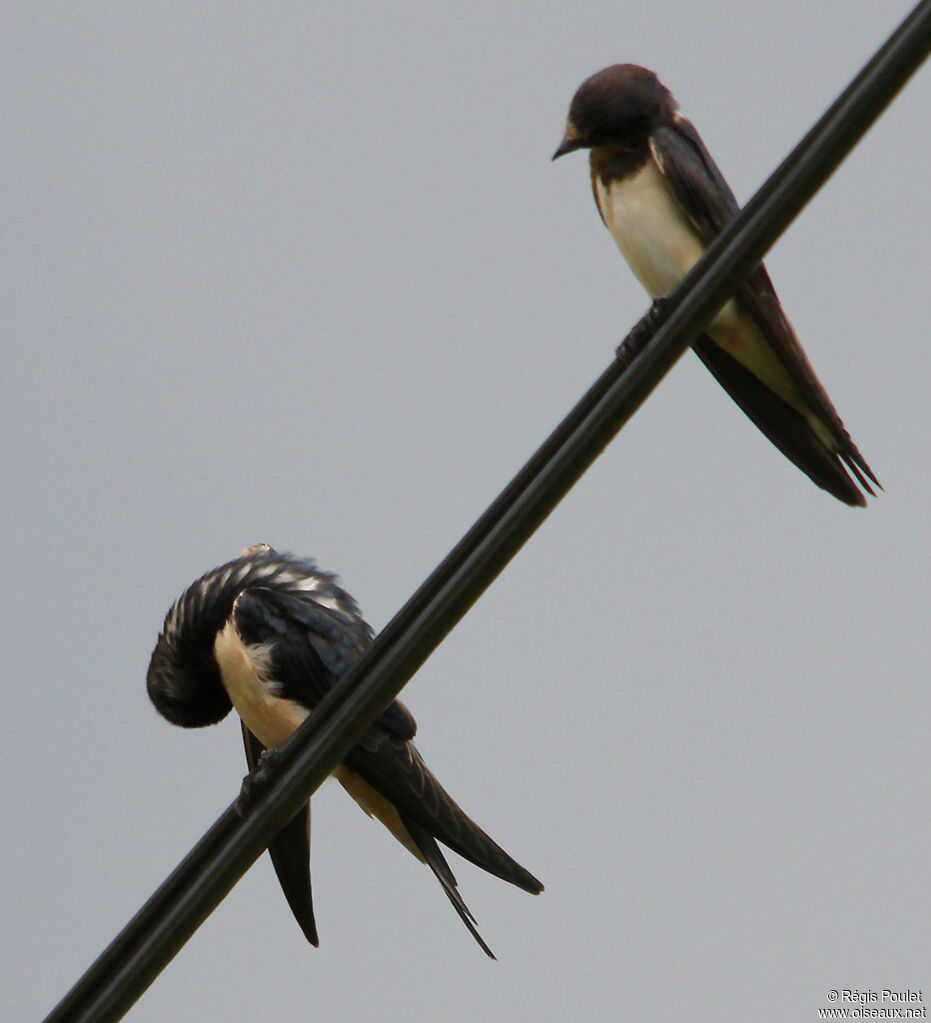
[[256, 783], [642, 332]]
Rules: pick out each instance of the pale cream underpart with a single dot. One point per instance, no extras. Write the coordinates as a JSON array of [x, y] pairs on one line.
[[661, 246], [273, 720]]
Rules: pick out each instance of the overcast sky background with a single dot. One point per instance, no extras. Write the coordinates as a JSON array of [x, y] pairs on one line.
[[305, 276]]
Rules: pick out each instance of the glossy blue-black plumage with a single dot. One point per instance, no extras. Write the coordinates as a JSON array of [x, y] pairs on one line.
[[307, 631]]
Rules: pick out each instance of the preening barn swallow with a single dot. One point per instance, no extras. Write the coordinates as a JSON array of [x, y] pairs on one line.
[[664, 200], [269, 634]]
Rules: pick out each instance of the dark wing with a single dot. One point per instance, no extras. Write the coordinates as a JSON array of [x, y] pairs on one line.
[[704, 195], [313, 646], [395, 769], [299, 629], [290, 853], [782, 424]]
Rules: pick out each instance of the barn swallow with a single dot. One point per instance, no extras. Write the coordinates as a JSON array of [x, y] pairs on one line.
[[664, 200], [270, 634]]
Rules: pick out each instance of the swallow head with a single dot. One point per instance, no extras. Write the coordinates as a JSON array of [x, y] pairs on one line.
[[618, 105], [183, 680], [184, 684]]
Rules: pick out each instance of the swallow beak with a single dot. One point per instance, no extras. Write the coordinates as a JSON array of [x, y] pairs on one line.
[[568, 145]]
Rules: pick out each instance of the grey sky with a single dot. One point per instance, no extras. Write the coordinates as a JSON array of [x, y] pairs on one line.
[[272, 273]]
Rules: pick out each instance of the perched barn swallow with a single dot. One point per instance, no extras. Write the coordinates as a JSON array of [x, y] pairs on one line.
[[664, 200], [269, 634]]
